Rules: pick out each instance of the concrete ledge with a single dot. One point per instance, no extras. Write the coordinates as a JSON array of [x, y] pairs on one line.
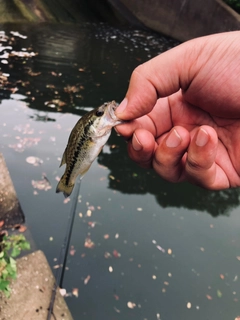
[[31, 292], [10, 209]]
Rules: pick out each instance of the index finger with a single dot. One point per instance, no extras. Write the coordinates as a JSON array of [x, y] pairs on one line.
[[157, 122]]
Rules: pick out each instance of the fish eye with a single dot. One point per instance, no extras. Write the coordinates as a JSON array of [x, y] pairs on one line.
[[99, 113]]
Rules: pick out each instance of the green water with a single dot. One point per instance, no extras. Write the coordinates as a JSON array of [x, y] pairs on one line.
[[159, 250]]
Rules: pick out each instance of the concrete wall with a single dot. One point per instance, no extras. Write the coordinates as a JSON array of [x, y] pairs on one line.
[[70, 11], [181, 19], [10, 210]]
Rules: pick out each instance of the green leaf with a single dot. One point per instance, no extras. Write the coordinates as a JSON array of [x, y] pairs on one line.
[[25, 245], [10, 247], [7, 292], [4, 284], [15, 252], [12, 263], [4, 273], [11, 270]]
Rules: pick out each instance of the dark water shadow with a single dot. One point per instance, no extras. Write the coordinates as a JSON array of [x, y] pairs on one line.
[[82, 66]]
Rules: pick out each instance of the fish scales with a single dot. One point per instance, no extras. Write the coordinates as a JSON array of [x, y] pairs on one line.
[[79, 151], [85, 142]]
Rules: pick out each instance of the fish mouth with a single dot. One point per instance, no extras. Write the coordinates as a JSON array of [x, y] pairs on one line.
[[111, 110]]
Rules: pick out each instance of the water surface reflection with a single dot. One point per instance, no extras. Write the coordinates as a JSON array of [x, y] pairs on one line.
[[164, 251]]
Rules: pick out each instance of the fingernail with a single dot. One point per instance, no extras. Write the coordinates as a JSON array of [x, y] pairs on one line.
[[122, 106], [173, 139], [136, 144], [202, 138]]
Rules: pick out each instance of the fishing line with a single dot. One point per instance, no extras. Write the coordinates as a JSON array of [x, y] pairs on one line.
[[64, 251]]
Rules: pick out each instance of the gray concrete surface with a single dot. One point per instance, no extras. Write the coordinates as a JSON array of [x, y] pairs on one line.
[[10, 209], [31, 292]]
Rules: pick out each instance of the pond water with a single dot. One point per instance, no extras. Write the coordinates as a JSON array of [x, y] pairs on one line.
[[141, 248]]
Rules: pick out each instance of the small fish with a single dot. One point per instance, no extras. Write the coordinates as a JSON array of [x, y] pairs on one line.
[[85, 142]]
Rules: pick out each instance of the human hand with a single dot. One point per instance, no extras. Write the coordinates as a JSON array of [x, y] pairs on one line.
[[185, 110]]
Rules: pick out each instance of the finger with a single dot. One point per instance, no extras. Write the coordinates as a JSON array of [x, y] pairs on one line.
[[159, 77], [157, 122], [128, 128], [193, 67], [201, 167], [168, 156], [141, 148]]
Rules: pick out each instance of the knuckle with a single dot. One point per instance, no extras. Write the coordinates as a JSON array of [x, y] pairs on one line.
[[195, 164], [171, 173], [138, 69]]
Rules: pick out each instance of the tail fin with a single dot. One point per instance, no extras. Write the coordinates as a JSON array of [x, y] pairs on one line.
[[62, 187]]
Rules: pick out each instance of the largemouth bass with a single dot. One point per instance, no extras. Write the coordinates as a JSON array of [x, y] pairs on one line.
[[85, 142]]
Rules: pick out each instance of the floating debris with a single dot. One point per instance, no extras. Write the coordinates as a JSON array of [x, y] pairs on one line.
[[22, 54], [131, 305], [116, 254], [86, 280], [17, 34], [63, 292], [75, 292], [160, 248], [107, 255], [43, 184], [24, 143], [55, 103], [20, 227], [219, 294], [72, 251], [89, 213], [66, 200], [35, 161], [92, 224], [89, 243], [117, 310]]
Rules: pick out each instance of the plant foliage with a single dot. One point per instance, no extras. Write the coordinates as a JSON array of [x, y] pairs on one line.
[[10, 248], [234, 4]]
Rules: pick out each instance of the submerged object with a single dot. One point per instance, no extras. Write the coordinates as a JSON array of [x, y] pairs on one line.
[[85, 142]]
